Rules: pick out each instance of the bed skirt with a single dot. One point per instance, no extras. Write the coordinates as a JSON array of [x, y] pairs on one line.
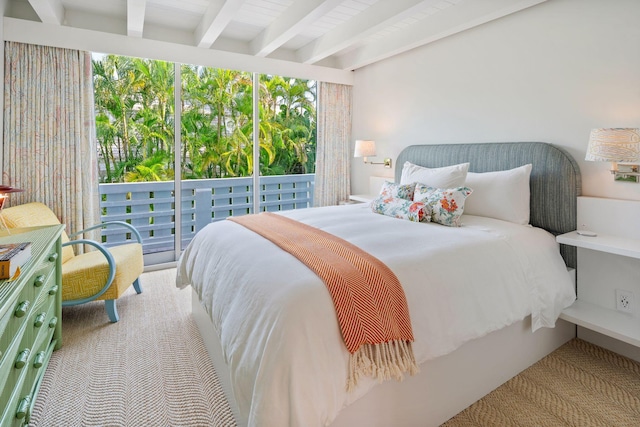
[[445, 385]]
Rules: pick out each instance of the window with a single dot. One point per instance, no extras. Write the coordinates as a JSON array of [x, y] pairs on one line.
[[136, 125]]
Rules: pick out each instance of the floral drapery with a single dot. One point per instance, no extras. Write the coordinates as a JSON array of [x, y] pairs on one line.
[[49, 145], [333, 152]]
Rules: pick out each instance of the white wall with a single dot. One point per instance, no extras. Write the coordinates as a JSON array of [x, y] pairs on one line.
[[549, 73]]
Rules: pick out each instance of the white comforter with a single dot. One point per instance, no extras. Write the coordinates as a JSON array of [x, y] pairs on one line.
[[278, 327]]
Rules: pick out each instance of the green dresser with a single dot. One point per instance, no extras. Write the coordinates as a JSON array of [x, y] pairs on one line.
[[30, 321]]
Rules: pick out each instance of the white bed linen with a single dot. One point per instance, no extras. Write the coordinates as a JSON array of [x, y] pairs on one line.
[[276, 321]]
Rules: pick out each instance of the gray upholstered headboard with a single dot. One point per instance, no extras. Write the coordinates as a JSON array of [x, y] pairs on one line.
[[555, 176]]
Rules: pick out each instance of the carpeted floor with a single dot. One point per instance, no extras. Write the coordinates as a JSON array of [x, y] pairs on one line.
[[578, 385], [151, 369]]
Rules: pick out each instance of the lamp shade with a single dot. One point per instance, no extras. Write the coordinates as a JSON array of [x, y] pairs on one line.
[[364, 148], [614, 145], [4, 191]]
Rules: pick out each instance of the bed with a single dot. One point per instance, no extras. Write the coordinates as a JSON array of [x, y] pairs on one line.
[[274, 339]]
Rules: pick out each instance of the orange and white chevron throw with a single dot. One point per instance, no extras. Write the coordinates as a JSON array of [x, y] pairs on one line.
[[369, 300]]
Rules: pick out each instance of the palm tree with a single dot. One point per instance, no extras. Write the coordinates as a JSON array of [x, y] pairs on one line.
[[157, 107], [151, 169], [135, 121], [116, 88]]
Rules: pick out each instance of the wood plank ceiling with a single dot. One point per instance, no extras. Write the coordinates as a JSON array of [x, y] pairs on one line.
[[343, 34]]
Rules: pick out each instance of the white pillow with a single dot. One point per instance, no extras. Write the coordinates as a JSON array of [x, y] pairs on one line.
[[445, 177], [502, 195]]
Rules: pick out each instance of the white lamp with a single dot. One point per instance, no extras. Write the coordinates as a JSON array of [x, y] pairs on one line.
[[616, 145], [367, 148]]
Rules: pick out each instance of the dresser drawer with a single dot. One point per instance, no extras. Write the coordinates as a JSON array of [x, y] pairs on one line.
[[18, 411], [5, 337], [30, 296], [14, 320], [42, 329], [7, 365], [12, 391], [40, 302], [35, 366], [41, 317], [46, 291], [29, 327], [46, 267], [25, 369], [30, 305]]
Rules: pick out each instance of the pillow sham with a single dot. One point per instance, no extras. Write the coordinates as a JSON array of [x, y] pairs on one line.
[[501, 195], [401, 208], [447, 205], [445, 177], [401, 191]]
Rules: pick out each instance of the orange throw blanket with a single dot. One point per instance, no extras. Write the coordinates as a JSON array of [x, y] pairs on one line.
[[369, 300]]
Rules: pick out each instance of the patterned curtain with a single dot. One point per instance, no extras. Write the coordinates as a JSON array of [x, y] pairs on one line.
[[333, 152], [49, 145]]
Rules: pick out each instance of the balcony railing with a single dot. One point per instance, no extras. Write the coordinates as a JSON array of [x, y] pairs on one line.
[[149, 206]]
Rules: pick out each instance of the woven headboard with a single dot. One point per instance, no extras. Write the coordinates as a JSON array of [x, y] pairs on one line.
[[555, 177]]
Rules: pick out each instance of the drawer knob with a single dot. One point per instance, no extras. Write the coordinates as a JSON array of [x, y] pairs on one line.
[[23, 407], [22, 309], [39, 281], [53, 257], [40, 318], [53, 290], [38, 361], [22, 358], [53, 322]]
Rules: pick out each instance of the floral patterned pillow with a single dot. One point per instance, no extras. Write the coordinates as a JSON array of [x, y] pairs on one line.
[[401, 208], [404, 191], [446, 205]]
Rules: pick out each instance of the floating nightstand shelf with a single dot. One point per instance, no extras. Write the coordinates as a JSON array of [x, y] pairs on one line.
[[603, 243], [607, 321]]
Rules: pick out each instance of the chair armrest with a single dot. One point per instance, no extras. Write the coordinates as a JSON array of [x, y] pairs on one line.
[[108, 223], [112, 270]]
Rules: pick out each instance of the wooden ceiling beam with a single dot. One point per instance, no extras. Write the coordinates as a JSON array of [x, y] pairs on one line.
[[49, 11], [297, 17], [135, 17], [377, 17], [214, 21], [453, 20]]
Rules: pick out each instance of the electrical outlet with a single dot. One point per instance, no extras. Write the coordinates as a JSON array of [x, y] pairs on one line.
[[624, 301]]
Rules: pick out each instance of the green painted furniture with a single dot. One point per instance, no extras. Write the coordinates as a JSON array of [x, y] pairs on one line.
[[30, 321], [103, 274]]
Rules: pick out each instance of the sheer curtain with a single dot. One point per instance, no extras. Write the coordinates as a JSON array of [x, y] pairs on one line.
[[333, 152], [49, 145]]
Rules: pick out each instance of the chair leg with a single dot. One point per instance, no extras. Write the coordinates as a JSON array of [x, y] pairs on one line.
[[136, 286], [112, 311]]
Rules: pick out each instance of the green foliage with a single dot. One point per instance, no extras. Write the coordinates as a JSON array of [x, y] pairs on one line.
[[135, 121]]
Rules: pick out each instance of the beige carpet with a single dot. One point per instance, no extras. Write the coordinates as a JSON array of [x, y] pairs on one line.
[[578, 385], [151, 369]]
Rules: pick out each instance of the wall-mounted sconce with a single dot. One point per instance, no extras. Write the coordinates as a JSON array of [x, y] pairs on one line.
[[617, 145], [367, 148]]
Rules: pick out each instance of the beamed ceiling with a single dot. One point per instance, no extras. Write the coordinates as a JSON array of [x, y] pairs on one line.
[[341, 34]]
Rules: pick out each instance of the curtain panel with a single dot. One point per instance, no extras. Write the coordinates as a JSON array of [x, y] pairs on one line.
[[49, 145], [333, 159]]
